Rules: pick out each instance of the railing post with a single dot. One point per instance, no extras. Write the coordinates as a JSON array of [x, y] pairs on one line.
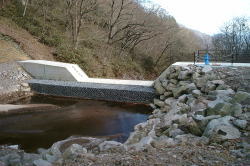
[[194, 58], [232, 59]]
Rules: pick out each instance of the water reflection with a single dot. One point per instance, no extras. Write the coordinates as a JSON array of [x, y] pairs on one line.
[[85, 118]]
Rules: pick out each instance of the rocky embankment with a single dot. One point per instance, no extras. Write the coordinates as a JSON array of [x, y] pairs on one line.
[[197, 120], [13, 85]]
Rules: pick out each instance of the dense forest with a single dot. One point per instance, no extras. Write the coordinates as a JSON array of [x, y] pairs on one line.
[[108, 38]]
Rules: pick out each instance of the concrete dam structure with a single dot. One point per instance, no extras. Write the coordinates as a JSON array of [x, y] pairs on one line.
[[69, 80]]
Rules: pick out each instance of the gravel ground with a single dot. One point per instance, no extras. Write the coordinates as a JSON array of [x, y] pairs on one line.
[[13, 84], [181, 155]]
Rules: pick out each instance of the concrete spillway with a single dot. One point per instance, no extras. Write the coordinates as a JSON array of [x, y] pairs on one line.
[[99, 91], [68, 80]]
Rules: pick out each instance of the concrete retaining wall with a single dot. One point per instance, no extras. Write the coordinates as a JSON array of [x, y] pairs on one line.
[[49, 70]]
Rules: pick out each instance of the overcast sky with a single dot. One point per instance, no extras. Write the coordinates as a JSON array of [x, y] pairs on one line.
[[205, 15]]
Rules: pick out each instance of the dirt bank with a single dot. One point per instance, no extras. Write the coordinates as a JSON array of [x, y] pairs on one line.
[[29, 44]]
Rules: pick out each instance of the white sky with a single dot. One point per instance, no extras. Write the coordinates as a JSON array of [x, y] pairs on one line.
[[205, 15]]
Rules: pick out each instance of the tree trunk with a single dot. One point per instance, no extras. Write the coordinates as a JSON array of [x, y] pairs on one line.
[[25, 7]]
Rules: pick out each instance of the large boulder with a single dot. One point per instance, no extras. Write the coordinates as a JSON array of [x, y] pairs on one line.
[[186, 88], [224, 108], [241, 97], [159, 89], [221, 129]]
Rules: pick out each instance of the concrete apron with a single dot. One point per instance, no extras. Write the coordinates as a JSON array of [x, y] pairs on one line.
[[68, 80]]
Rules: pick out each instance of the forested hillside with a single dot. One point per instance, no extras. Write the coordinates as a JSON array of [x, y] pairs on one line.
[[107, 38]]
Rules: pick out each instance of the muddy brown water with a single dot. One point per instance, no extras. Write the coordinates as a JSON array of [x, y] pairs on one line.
[[75, 118]]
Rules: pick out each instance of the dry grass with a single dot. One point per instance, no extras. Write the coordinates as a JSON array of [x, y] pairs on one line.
[[9, 51], [29, 44]]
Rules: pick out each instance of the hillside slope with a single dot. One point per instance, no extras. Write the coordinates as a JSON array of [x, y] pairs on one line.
[[28, 44], [139, 45]]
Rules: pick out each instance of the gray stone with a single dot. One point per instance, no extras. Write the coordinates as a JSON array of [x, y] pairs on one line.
[[50, 158], [200, 82], [159, 89], [196, 93], [41, 162], [184, 108], [221, 129], [210, 86], [221, 109], [218, 82], [73, 151], [223, 87], [191, 87], [12, 159], [182, 83], [197, 106], [206, 69], [15, 162], [242, 124], [14, 147], [221, 93], [2, 163], [29, 157], [183, 89], [241, 96], [188, 125], [183, 98], [42, 150], [152, 106], [170, 101], [175, 132], [195, 76], [237, 109], [203, 121], [184, 75], [168, 94], [173, 81], [159, 102], [170, 87], [164, 84], [162, 97], [111, 146]]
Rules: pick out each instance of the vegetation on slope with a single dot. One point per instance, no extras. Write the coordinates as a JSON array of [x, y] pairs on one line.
[[107, 38]]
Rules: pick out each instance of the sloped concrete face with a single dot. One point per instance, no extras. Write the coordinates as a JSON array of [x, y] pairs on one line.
[[97, 91], [49, 70]]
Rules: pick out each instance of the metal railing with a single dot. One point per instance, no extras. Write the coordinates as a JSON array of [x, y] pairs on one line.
[[222, 56]]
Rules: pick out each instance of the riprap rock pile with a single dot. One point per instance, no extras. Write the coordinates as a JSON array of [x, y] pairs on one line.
[[193, 106]]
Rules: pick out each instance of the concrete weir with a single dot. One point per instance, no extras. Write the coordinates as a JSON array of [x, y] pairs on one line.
[[68, 80]]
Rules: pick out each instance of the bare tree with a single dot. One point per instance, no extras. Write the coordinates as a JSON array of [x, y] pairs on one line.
[[120, 14], [76, 10], [234, 36], [25, 7]]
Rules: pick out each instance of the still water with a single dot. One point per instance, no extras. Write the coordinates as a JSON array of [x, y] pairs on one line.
[[74, 118]]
